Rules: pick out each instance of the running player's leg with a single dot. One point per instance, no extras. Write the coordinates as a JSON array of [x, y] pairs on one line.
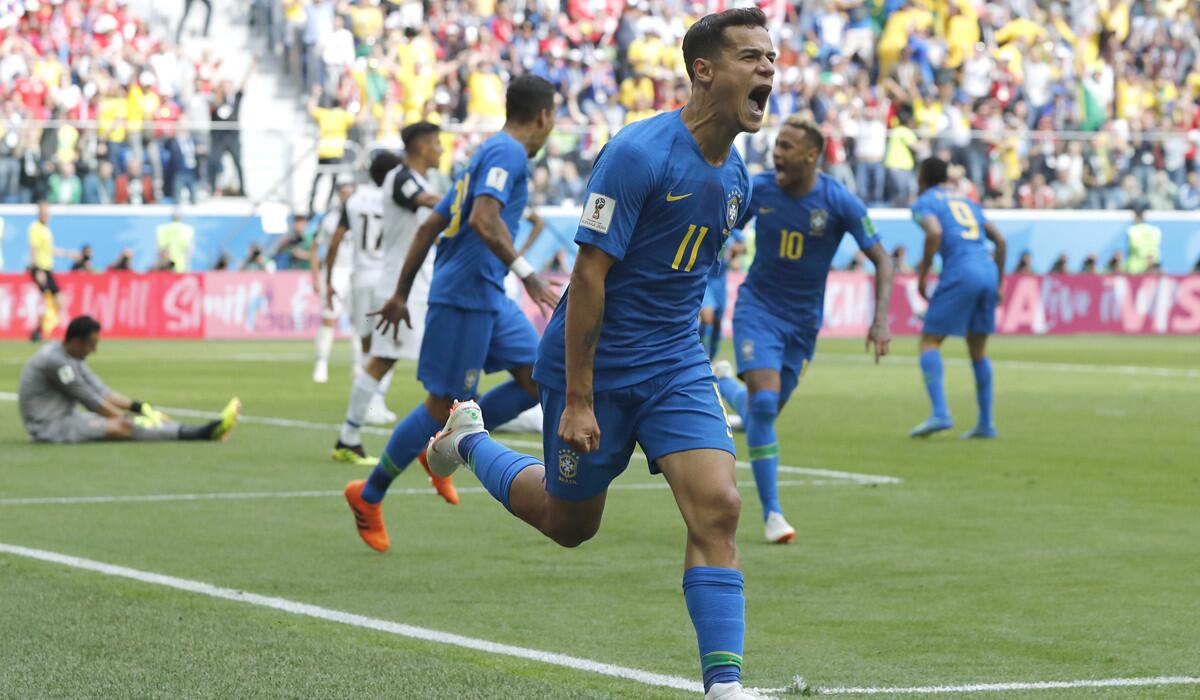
[[948, 313], [366, 385], [982, 324], [685, 434], [513, 347]]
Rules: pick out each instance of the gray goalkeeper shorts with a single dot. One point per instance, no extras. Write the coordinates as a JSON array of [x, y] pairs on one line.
[[77, 427]]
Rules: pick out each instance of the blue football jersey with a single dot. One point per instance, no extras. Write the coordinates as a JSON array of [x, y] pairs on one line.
[[795, 241], [466, 273], [964, 247], [657, 206]]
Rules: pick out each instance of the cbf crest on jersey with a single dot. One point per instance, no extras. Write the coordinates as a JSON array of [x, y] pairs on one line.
[[732, 209], [817, 222]]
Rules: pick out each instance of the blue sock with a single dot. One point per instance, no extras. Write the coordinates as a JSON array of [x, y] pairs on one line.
[[407, 441], [983, 390], [931, 368], [764, 450], [496, 465], [505, 402], [718, 610], [734, 393]]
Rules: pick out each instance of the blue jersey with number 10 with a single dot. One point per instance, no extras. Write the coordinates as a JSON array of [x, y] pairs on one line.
[[466, 273], [656, 205], [964, 246], [795, 240]]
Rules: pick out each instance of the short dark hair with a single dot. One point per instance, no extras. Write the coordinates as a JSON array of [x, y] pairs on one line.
[[383, 164], [527, 97], [82, 328], [934, 171], [812, 132], [415, 132], [707, 36]]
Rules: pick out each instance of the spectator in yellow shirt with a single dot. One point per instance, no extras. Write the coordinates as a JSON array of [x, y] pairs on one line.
[[900, 161], [485, 103], [333, 132]]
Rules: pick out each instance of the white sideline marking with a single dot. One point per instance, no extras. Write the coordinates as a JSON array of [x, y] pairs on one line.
[[1005, 687], [570, 662], [251, 495], [345, 618], [854, 477], [1077, 368]]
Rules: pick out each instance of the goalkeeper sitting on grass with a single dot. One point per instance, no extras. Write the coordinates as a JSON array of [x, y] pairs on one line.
[[56, 380]]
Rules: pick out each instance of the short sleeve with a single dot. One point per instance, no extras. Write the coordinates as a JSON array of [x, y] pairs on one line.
[[921, 209], [406, 189], [498, 170], [344, 219], [857, 222], [621, 179], [443, 207]]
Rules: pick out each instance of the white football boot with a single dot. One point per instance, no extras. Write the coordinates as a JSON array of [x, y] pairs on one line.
[[321, 372], [777, 529], [378, 413], [442, 452], [722, 369], [730, 691]]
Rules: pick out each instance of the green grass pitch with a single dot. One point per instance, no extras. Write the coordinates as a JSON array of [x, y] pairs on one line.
[[1068, 549]]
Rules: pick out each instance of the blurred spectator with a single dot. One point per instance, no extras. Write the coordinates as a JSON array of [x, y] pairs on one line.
[[254, 259], [1144, 241], [187, 8], [183, 163], [65, 186], [900, 262], [1162, 192], [134, 187], [222, 262], [1089, 265], [99, 186], [83, 260], [176, 241], [1036, 194], [293, 250], [1115, 264], [1060, 265], [857, 263], [900, 161], [224, 112], [1024, 263], [333, 128], [123, 263], [1188, 198]]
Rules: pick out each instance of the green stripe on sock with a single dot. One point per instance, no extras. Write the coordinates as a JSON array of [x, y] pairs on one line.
[[389, 466], [765, 451], [720, 658]]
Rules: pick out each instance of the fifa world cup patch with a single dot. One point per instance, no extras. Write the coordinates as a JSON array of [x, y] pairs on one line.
[[598, 212], [410, 188], [568, 466], [497, 178]]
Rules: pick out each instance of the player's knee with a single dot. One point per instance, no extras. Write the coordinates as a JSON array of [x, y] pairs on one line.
[[572, 534], [718, 518], [764, 404]]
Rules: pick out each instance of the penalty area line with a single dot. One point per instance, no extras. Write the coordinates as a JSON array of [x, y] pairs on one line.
[[396, 628], [800, 687]]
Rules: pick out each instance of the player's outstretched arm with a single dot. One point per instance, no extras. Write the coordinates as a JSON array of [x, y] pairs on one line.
[[331, 254], [395, 309], [880, 335], [486, 220], [585, 316], [1001, 255], [933, 241]]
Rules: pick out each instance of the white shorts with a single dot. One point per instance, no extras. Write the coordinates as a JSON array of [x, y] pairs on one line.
[[362, 302], [407, 343]]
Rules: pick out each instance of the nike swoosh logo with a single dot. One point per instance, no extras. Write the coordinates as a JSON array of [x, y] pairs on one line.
[[677, 197]]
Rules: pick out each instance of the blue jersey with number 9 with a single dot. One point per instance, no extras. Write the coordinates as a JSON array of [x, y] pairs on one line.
[[964, 247], [656, 205]]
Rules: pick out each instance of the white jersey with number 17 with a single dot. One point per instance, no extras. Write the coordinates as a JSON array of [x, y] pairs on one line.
[[363, 219]]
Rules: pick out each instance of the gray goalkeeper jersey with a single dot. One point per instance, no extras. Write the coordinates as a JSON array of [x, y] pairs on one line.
[[53, 382]]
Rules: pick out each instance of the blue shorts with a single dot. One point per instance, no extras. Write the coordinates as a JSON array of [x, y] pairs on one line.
[[962, 305], [460, 345], [715, 293], [762, 340], [667, 414]]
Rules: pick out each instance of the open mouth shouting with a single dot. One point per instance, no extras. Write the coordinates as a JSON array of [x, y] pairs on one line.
[[756, 103]]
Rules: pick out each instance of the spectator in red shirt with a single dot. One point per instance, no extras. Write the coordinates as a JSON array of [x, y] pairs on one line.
[[1036, 194]]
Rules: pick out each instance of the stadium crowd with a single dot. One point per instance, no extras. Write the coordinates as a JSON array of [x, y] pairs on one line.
[[1079, 103]]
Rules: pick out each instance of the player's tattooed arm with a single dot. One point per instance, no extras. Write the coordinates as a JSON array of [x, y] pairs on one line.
[[933, 241], [993, 233], [585, 319], [880, 334]]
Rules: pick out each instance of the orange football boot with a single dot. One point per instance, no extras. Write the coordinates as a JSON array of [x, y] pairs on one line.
[[368, 517], [444, 485]]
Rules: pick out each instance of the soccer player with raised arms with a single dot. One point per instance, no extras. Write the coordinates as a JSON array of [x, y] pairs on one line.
[[802, 215], [471, 326], [964, 302], [621, 363]]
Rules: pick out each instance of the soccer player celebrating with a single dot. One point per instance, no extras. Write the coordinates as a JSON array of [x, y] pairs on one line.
[[471, 326], [621, 363], [964, 302], [57, 379], [801, 215], [408, 200]]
